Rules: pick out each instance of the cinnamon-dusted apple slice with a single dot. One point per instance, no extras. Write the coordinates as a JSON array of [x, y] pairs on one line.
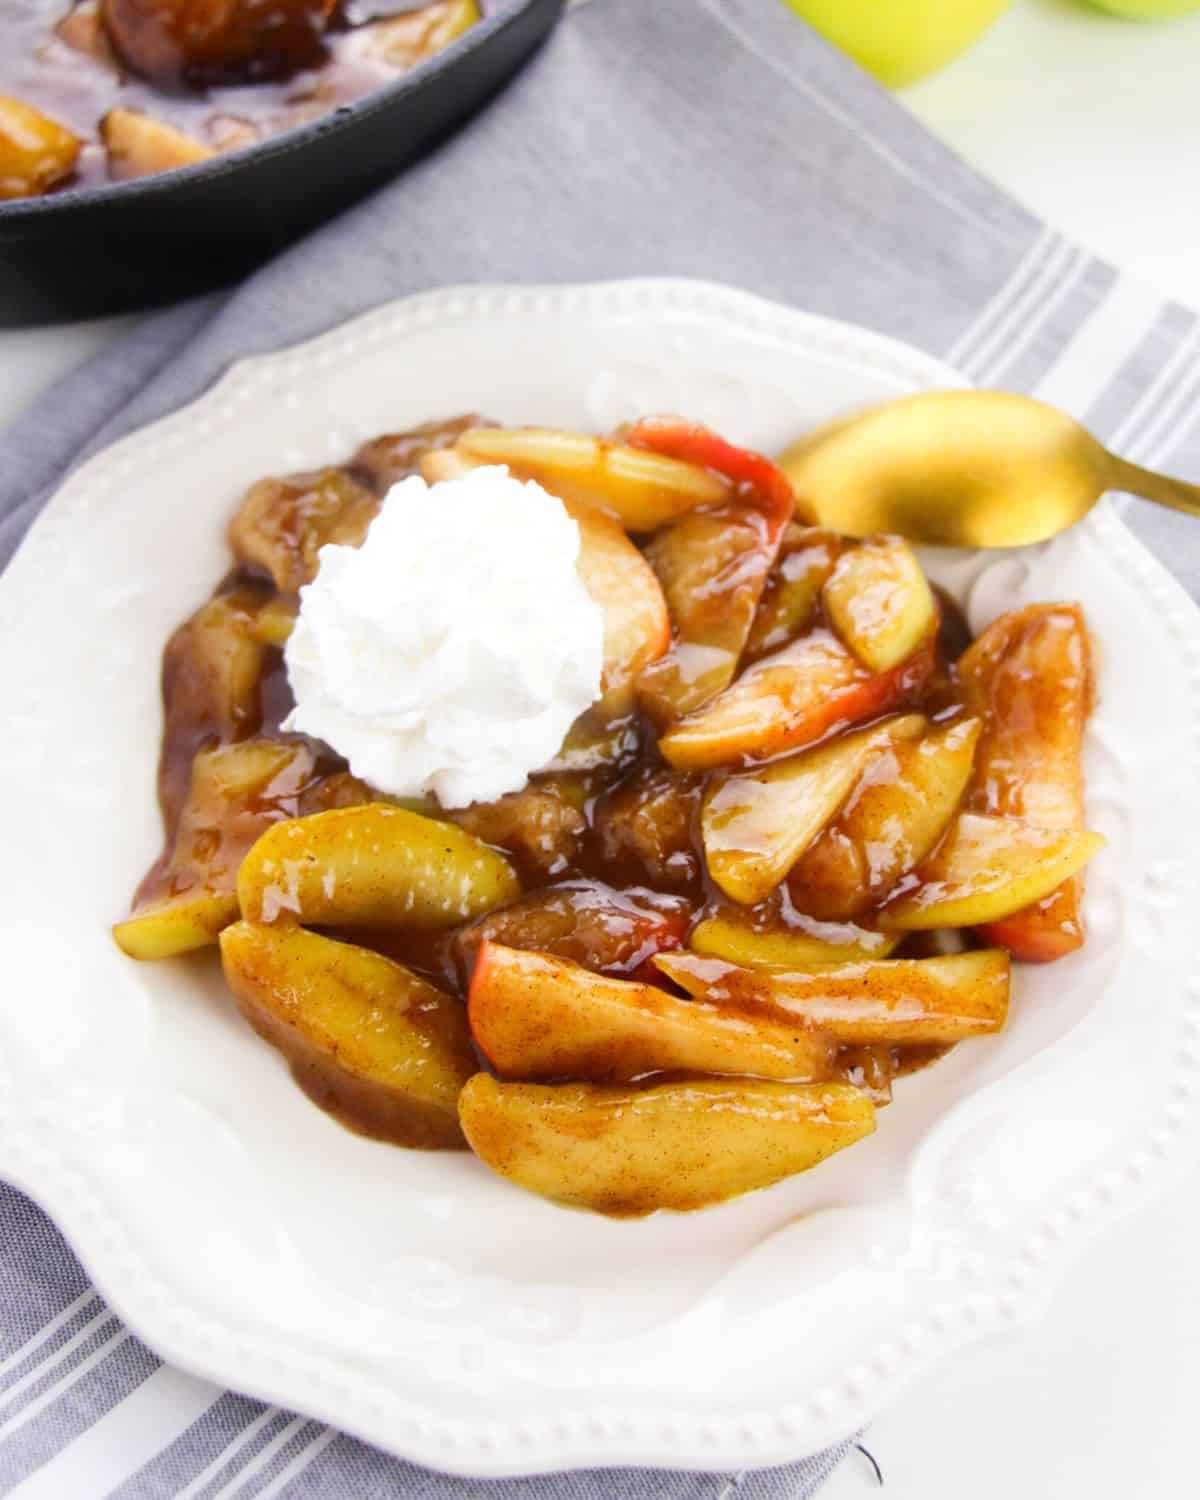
[[756, 824], [372, 866], [896, 815], [629, 1151], [713, 565], [895, 1001], [789, 699], [613, 932], [806, 558], [1030, 677], [367, 1039], [640, 489], [986, 869], [880, 602], [36, 152], [534, 1016], [737, 938]]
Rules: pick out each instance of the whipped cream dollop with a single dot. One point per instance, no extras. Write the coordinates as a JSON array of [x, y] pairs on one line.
[[451, 651]]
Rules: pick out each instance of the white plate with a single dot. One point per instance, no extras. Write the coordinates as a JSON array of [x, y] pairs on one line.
[[416, 1299]]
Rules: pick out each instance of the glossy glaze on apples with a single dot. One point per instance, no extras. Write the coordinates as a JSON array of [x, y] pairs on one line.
[[740, 867]]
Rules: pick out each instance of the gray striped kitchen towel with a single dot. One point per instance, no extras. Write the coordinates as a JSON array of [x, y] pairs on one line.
[[711, 138]]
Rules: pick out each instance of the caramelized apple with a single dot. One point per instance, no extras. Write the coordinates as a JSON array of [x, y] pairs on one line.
[[372, 866], [540, 826], [138, 145], [628, 1151], [756, 824], [788, 699], [742, 939], [1030, 676], [36, 152], [879, 602], [646, 824], [613, 932], [534, 1016], [405, 40], [235, 793], [366, 1039], [642, 491], [386, 460], [806, 559], [282, 524], [896, 815], [214, 41], [893, 1001], [986, 869]]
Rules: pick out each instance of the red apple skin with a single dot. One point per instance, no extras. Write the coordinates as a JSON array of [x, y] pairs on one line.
[[755, 477], [1030, 676]]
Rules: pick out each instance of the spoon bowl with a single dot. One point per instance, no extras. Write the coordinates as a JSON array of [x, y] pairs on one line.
[[964, 468]]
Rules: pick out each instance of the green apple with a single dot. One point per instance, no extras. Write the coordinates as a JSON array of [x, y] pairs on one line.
[[902, 40], [1148, 10]]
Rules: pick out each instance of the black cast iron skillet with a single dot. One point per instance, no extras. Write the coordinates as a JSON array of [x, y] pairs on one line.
[[107, 249]]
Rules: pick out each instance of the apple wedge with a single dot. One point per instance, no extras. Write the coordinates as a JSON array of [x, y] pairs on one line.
[[740, 942], [282, 524], [613, 932], [628, 1151], [372, 866], [713, 566], [986, 869], [756, 480], [901, 807], [806, 559], [789, 699], [879, 601], [756, 824], [895, 1002], [536, 1017], [366, 1039], [234, 794], [1030, 677], [641, 490]]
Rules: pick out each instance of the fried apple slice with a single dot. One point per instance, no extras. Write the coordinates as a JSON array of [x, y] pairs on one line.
[[757, 824], [740, 942], [806, 559], [789, 699], [894, 1002], [138, 145], [645, 828], [879, 601], [641, 490], [901, 807], [405, 40], [613, 932], [216, 41], [385, 461], [627, 1151], [235, 792], [1030, 676], [637, 627], [367, 1039], [535, 1016], [282, 524], [372, 866], [986, 869], [36, 152], [756, 480], [540, 826]]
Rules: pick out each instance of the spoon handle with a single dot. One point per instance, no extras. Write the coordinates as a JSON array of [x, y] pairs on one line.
[[1157, 487]]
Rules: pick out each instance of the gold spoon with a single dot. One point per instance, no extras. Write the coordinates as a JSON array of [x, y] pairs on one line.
[[965, 469]]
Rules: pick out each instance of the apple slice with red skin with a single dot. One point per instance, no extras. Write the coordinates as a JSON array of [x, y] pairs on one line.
[[789, 699], [713, 565], [1029, 677], [895, 1001], [534, 1017]]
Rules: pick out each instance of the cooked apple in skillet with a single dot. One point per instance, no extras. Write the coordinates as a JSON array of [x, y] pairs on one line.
[[775, 841], [119, 89]]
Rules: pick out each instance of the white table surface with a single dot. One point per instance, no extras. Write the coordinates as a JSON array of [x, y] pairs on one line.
[[1096, 125]]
